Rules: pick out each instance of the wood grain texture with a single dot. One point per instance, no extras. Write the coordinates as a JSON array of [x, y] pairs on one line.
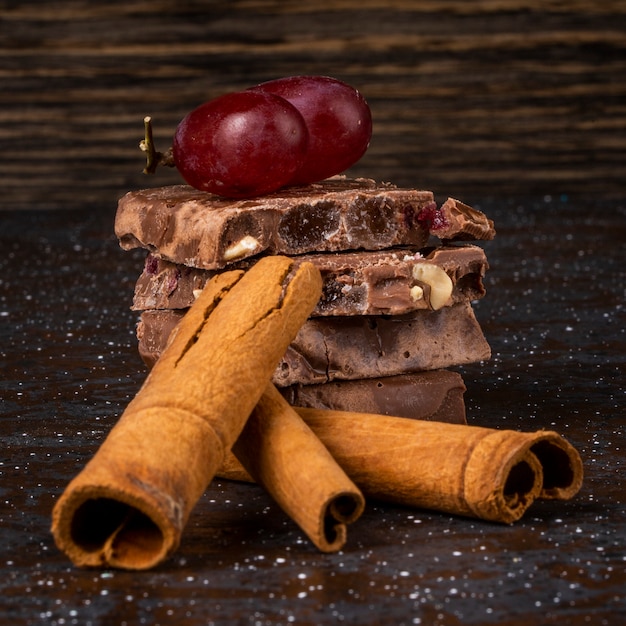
[[469, 99]]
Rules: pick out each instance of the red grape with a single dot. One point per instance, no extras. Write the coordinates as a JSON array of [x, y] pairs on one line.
[[337, 117], [241, 144]]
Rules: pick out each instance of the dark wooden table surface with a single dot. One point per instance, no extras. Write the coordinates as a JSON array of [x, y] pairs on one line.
[[517, 108], [469, 98]]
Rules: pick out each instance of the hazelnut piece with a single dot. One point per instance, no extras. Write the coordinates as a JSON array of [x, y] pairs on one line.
[[439, 282], [416, 292], [241, 249]]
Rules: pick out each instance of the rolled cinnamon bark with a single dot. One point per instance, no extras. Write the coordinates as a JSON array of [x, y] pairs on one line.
[[283, 454], [129, 505], [464, 470]]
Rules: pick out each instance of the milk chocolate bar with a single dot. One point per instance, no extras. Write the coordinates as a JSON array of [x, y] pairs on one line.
[[434, 395], [351, 348], [459, 222], [354, 283], [153, 331], [198, 229]]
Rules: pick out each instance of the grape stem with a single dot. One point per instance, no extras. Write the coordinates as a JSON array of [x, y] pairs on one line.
[[153, 157]]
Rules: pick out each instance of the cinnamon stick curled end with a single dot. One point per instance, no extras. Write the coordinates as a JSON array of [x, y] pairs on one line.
[[501, 479], [561, 463], [280, 452], [343, 509], [113, 532], [525, 467]]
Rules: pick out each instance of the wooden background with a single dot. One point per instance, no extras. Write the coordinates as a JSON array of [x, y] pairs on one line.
[[473, 99]]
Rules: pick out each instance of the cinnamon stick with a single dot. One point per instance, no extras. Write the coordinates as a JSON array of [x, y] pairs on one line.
[[129, 505], [283, 454], [463, 470]]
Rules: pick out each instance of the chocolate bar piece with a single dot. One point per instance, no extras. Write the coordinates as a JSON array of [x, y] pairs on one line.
[[459, 222], [435, 396], [354, 283], [153, 331], [350, 348], [198, 229]]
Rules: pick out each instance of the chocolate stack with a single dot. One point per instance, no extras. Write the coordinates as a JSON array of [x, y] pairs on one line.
[[399, 278]]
